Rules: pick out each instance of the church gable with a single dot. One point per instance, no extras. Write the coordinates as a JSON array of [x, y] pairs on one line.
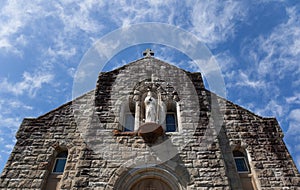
[[150, 125]]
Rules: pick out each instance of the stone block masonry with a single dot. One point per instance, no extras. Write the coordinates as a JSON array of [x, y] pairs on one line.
[[197, 156]]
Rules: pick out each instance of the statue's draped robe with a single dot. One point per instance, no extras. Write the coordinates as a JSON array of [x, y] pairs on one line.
[[150, 114]]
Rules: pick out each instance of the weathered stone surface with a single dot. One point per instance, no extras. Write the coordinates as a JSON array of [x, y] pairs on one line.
[[98, 159]]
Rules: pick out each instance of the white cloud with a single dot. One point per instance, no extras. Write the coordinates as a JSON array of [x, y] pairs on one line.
[[71, 72], [17, 105], [123, 13], [226, 61], [72, 18], [245, 81], [279, 51], [294, 120], [271, 109], [7, 104], [14, 16], [295, 99], [4, 43], [295, 115], [10, 122], [62, 50], [7, 148], [21, 40], [214, 21], [30, 84], [79, 16]]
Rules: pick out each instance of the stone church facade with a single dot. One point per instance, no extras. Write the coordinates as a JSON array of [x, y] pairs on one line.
[[150, 125]]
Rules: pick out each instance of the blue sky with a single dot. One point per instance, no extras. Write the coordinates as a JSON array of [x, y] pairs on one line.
[[256, 44]]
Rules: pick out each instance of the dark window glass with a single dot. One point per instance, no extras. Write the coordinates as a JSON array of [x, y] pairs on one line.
[[59, 165], [241, 165], [60, 162], [171, 122], [129, 122]]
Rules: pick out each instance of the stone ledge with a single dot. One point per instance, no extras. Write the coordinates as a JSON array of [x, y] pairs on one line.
[[117, 132]]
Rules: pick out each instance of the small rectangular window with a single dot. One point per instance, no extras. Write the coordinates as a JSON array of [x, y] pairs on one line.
[[59, 165], [241, 164], [60, 162], [171, 122], [129, 122]]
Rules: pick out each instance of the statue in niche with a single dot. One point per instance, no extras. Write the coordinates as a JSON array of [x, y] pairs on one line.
[[154, 115], [151, 108]]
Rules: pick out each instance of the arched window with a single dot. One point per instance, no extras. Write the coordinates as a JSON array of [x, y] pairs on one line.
[[60, 162], [171, 122], [58, 167], [171, 117], [241, 162], [127, 116], [243, 169], [129, 119]]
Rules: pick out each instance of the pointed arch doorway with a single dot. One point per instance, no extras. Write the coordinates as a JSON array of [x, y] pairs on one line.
[[152, 178], [150, 184]]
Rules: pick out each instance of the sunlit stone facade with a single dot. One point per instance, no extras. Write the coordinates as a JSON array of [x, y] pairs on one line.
[[196, 140]]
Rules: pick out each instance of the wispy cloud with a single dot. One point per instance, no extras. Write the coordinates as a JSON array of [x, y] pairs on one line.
[[31, 84], [295, 115], [295, 99], [11, 122], [7, 149], [10, 119], [79, 17], [14, 16], [294, 127], [211, 21], [293, 134], [124, 13], [9, 104], [246, 81], [54, 36], [279, 51], [214, 21], [61, 49], [273, 108], [268, 60]]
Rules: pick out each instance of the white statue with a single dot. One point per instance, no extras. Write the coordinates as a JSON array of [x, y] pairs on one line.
[[150, 104]]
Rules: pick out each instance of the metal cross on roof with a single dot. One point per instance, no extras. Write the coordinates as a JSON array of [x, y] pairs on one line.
[[148, 53]]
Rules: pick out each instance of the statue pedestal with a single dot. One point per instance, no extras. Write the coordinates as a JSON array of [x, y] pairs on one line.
[[150, 132]]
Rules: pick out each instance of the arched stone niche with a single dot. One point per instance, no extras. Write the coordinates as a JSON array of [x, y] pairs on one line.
[[159, 90], [155, 177]]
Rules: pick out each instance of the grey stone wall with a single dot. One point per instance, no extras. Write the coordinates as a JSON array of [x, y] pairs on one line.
[[262, 138], [199, 155]]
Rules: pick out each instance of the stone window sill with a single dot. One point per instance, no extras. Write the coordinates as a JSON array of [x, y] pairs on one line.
[[117, 132]]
